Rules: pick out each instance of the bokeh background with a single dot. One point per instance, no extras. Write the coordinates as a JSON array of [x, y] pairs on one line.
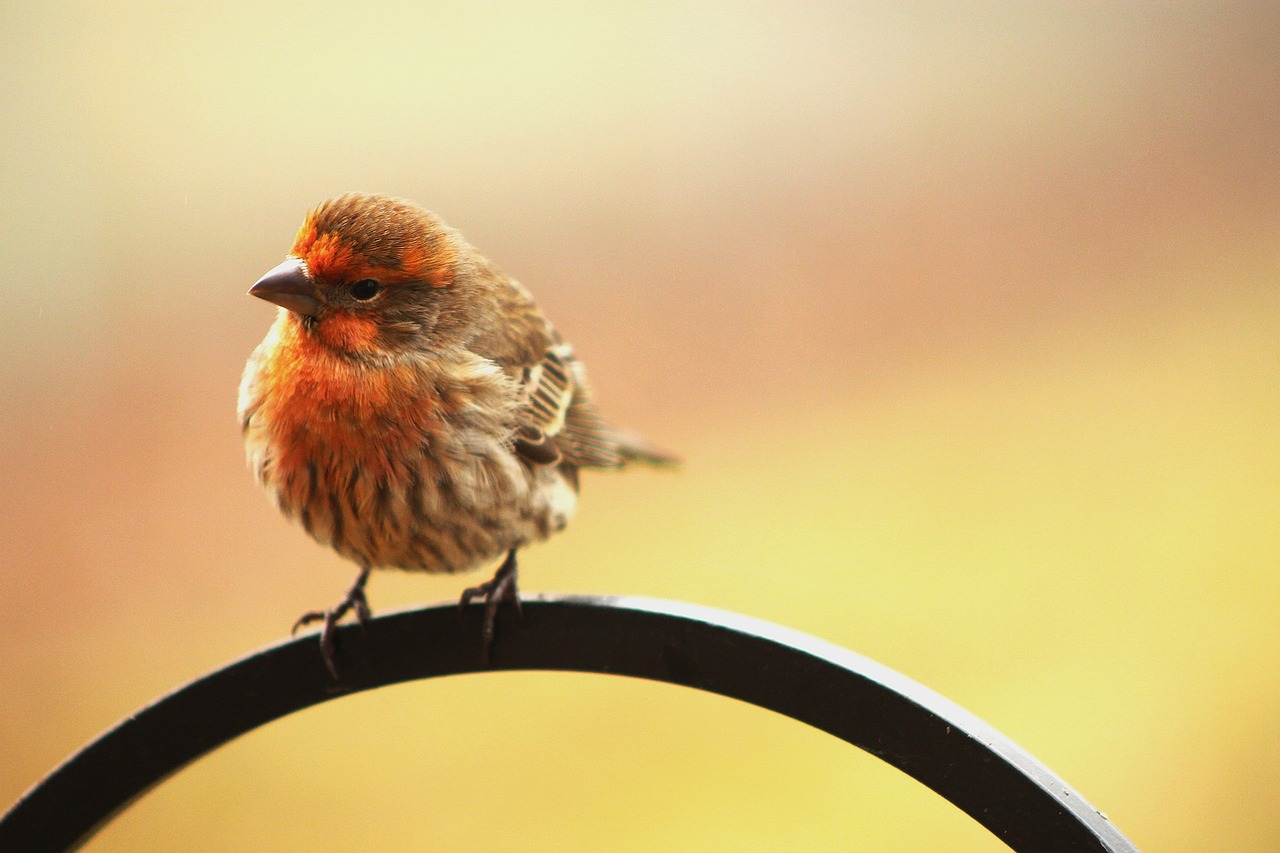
[[964, 319]]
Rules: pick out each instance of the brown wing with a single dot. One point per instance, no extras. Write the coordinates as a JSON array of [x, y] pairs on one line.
[[585, 439], [557, 422], [523, 335], [559, 411]]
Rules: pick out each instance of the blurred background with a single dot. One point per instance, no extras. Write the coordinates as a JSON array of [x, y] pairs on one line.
[[965, 323]]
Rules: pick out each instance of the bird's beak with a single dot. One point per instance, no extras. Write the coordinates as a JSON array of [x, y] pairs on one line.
[[289, 286]]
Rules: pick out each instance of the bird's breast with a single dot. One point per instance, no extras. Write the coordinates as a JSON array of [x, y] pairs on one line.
[[394, 464], [311, 407]]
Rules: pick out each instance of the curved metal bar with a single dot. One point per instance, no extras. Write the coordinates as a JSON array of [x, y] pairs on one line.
[[845, 694]]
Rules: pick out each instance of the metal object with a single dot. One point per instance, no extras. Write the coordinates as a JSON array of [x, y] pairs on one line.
[[845, 694]]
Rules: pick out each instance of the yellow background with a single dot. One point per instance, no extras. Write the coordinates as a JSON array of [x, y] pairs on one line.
[[965, 323]]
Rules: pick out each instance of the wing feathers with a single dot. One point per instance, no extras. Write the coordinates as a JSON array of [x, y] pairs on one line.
[[556, 420], [558, 411]]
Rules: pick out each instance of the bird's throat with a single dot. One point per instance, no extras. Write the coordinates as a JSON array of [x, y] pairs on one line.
[[347, 332]]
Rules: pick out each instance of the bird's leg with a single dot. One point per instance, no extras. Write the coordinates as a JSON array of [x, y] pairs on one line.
[[501, 586], [354, 601]]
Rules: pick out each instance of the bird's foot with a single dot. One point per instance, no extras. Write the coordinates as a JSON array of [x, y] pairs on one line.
[[502, 586], [354, 602]]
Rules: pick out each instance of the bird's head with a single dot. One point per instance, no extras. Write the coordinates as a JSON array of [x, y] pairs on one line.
[[374, 275]]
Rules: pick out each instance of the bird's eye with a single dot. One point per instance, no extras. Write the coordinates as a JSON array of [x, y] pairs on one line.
[[365, 289]]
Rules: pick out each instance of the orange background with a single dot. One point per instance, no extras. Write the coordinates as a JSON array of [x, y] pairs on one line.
[[965, 323]]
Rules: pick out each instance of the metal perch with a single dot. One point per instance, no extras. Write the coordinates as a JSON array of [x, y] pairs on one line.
[[855, 699]]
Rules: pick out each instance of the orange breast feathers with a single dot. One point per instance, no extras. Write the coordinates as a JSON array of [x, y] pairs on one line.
[[319, 408]]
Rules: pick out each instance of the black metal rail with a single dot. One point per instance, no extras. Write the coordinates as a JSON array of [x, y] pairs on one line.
[[845, 694]]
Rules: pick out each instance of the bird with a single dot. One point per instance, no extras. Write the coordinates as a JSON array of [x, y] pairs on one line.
[[411, 407]]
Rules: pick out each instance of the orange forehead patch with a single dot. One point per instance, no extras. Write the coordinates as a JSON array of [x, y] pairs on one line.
[[326, 256], [331, 258]]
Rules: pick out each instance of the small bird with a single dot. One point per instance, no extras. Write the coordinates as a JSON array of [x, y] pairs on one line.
[[412, 408]]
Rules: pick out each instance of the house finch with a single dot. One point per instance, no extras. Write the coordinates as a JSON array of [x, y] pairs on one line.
[[412, 408]]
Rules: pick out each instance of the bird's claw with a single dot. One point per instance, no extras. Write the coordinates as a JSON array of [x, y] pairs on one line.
[[501, 587], [306, 619], [354, 602]]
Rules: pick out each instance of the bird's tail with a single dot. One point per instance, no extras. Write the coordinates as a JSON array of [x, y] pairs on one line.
[[633, 447]]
